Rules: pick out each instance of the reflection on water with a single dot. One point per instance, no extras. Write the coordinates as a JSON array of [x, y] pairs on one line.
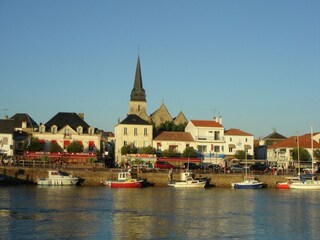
[[156, 213]]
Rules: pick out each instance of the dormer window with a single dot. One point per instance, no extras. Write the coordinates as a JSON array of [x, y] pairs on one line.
[[90, 130], [79, 130], [42, 129], [66, 132], [54, 129]]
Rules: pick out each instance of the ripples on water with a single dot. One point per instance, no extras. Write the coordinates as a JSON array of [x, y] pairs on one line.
[[157, 213]]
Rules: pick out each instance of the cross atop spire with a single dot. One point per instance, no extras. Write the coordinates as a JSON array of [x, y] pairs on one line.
[[138, 93]]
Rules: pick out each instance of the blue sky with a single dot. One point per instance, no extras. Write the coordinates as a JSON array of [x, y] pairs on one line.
[[255, 63]]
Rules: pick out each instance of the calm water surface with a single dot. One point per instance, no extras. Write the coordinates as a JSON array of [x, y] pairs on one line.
[[157, 213]]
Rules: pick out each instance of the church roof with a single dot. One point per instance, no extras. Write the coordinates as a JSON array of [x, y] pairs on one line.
[[138, 93], [134, 120]]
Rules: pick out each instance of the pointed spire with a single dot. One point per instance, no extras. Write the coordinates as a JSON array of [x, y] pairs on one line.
[[138, 93]]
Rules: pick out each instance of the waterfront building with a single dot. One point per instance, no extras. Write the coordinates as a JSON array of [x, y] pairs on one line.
[[209, 138], [13, 132], [66, 127], [133, 131], [177, 141], [236, 139], [281, 152]]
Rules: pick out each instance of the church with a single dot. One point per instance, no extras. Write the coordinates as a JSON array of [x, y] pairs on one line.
[[138, 127]]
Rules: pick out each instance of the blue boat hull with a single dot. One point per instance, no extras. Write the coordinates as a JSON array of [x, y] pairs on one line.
[[247, 186]]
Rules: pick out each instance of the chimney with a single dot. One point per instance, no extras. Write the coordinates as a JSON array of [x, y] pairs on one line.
[[81, 115], [215, 119], [6, 117], [220, 120]]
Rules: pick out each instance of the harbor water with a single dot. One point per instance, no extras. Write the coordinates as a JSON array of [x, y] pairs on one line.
[[33, 212]]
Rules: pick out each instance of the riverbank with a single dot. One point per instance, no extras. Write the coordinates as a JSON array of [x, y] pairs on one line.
[[94, 177]]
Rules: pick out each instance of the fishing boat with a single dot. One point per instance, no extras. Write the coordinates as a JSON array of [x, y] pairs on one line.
[[309, 184], [248, 182], [124, 180], [56, 177], [187, 181]]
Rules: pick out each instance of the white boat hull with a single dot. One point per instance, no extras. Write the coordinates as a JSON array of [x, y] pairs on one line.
[[57, 182], [307, 185]]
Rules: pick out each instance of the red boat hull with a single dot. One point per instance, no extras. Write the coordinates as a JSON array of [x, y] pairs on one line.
[[126, 184], [283, 186]]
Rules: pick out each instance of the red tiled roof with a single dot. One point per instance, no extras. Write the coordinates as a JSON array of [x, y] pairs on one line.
[[236, 132], [174, 136], [291, 142], [205, 123]]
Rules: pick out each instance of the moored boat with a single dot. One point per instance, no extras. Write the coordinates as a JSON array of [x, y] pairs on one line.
[[247, 184], [187, 181], [57, 178], [124, 180], [285, 185]]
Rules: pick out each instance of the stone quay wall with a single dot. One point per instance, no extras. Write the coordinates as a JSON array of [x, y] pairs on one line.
[[94, 177]]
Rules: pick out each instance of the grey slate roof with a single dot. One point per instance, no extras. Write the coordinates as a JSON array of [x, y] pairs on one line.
[[138, 93], [134, 120], [62, 119], [7, 126], [24, 117]]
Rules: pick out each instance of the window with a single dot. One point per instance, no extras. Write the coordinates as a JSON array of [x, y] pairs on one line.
[[230, 139], [202, 148], [246, 139], [42, 129], [125, 131], [90, 131], [145, 132], [66, 132], [79, 130], [5, 141], [230, 149], [135, 131], [216, 135], [216, 148], [145, 143], [54, 129]]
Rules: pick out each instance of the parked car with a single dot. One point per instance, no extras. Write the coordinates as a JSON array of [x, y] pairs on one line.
[[163, 165], [237, 168], [192, 166], [259, 168]]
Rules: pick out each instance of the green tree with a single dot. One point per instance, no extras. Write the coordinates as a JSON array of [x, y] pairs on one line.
[[170, 153], [33, 144], [189, 152], [127, 149], [147, 150], [75, 147], [303, 153], [55, 147], [240, 154], [316, 154]]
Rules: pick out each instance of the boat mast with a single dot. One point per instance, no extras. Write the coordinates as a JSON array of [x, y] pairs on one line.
[[298, 155], [312, 152]]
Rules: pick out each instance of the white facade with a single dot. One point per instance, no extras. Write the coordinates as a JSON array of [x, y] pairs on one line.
[[66, 135], [208, 137], [6, 144], [132, 134]]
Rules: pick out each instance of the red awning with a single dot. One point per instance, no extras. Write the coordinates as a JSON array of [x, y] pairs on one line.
[[80, 142], [91, 143], [66, 142], [159, 144], [41, 141], [54, 141]]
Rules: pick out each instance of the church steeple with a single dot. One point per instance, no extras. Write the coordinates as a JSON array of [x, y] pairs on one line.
[[138, 93], [138, 102]]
